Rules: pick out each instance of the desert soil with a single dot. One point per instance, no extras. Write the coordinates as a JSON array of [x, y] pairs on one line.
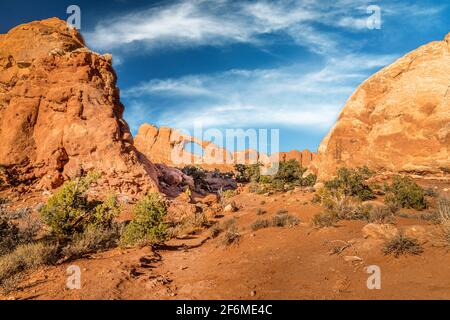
[[274, 263]]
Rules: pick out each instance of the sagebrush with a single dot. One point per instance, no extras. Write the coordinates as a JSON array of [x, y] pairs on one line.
[[148, 226]]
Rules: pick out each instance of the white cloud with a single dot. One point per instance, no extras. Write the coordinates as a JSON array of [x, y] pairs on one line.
[[189, 86], [199, 22], [283, 97]]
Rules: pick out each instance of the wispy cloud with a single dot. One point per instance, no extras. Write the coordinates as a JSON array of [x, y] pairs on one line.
[[197, 22], [282, 97], [200, 22]]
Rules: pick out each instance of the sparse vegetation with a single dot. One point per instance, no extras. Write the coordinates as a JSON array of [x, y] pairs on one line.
[[11, 235], [247, 173], [2, 177], [289, 175], [260, 224], [289, 172], [431, 216], [223, 197], [228, 226], [342, 200], [231, 236], [77, 226], [69, 211], [324, 219], [148, 225], [401, 244], [91, 240], [336, 202], [199, 176], [381, 215], [405, 193], [443, 212], [215, 231], [352, 182], [431, 192], [284, 220], [24, 258], [229, 193], [189, 225], [260, 212], [360, 212]]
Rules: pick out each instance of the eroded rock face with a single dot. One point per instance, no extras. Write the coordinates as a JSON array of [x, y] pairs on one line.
[[167, 145], [398, 120], [60, 112]]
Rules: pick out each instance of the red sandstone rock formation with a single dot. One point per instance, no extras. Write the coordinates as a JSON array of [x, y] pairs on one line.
[[398, 120], [60, 112], [166, 145], [305, 157]]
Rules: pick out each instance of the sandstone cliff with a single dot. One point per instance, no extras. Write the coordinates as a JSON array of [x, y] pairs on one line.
[[398, 120], [60, 112]]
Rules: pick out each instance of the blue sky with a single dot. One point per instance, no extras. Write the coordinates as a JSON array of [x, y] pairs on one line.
[[289, 65]]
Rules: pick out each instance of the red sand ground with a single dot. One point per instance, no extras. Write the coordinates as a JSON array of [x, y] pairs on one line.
[[273, 263]]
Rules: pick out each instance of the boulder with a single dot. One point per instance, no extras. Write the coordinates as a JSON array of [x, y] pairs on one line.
[[398, 120], [379, 231]]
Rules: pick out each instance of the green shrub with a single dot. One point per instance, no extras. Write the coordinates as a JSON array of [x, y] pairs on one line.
[[352, 182], [289, 174], [265, 179], [260, 188], [405, 193], [335, 202], [229, 193], [69, 211], [289, 171], [105, 213], [198, 174], [248, 173], [148, 225], [402, 244], [309, 181], [279, 185]]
